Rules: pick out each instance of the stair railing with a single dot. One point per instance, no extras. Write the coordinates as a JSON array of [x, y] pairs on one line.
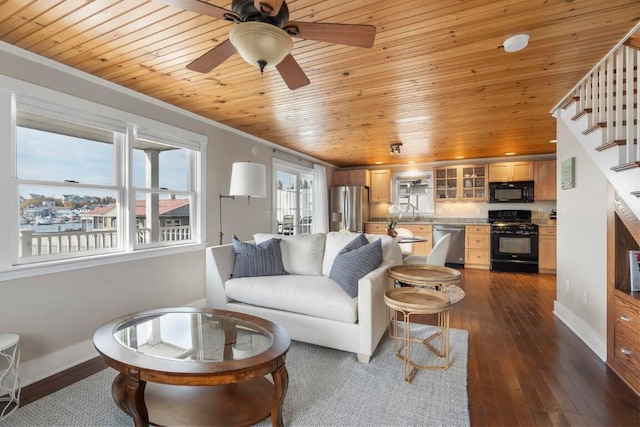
[[609, 95]]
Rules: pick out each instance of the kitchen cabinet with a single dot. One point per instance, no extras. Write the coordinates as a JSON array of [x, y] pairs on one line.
[[510, 171], [454, 183], [545, 181], [375, 228], [424, 231], [547, 249], [380, 191], [477, 246], [350, 177]]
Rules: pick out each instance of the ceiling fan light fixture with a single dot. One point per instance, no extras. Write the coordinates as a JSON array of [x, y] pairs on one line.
[[516, 43], [261, 45]]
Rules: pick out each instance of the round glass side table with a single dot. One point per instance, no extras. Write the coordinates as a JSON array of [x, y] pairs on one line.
[[9, 382]]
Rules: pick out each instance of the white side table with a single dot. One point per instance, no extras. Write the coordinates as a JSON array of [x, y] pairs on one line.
[[9, 382]]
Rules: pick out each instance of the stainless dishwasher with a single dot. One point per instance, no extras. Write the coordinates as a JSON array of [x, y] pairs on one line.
[[455, 256]]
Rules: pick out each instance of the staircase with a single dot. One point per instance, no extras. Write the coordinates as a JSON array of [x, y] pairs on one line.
[[602, 112]]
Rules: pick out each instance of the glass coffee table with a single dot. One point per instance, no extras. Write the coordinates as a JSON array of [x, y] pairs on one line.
[[196, 366]]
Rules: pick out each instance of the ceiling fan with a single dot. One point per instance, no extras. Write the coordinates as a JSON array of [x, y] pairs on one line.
[[263, 36]]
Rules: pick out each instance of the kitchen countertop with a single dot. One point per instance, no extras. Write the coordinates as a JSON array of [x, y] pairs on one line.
[[423, 221], [449, 221]]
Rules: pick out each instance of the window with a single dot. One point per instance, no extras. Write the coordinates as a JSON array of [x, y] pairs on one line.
[[164, 196], [89, 180], [293, 198], [68, 195], [413, 193]]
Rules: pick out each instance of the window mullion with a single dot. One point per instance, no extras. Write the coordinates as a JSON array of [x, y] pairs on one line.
[[152, 180], [128, 209], [9, 188]]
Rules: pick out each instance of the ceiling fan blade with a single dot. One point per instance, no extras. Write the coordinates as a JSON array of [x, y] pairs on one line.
[[348, 34], [291, 73], [275, 6], [213, 58], [200, 7]]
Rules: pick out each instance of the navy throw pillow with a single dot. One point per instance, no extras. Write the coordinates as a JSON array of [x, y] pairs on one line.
[[354, 261], [264, 259]]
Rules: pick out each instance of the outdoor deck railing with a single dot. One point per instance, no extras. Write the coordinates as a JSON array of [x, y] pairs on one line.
[[33, 243]]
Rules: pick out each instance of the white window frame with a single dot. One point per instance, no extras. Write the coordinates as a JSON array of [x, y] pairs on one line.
[[406, 209], [297, 170], [14, 92]]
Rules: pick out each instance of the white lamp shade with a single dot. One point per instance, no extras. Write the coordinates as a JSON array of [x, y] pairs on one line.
[[258, 41], [248, 179]]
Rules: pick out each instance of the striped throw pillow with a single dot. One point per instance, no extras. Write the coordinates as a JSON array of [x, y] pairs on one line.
[[355, 261], [263, 259]]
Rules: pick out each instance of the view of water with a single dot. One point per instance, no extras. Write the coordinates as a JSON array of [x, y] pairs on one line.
[[52, 228]]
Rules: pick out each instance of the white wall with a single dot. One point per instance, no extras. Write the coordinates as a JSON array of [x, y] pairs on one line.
[[57, 314], [582, 246]]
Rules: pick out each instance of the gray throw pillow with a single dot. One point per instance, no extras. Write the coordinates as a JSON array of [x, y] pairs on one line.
[[263, 259], [355, 261]]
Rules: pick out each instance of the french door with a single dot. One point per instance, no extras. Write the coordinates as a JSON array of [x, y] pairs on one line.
[[293, 201]]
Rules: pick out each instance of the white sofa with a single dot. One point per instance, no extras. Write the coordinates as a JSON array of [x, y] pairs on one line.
[[307, 303]]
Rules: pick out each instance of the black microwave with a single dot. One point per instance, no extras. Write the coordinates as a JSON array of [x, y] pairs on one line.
[[511, 192]]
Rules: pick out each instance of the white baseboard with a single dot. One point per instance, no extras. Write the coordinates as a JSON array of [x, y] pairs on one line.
[[43, 367], [582, 330]]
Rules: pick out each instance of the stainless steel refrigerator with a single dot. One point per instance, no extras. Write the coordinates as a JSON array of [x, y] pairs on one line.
[[349, 208]]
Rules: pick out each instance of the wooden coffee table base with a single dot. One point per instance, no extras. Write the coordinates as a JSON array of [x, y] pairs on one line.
[[223, 405], [221, 377]]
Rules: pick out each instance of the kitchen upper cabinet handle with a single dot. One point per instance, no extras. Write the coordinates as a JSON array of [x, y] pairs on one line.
[[625, 318], [625, 351]]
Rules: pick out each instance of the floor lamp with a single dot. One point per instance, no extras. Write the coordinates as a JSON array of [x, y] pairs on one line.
[[247, 179]]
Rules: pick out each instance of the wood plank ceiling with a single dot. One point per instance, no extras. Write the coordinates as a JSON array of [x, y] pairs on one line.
[[437, 78]]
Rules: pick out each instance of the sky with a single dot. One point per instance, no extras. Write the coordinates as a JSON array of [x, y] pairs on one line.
[[52, 157]]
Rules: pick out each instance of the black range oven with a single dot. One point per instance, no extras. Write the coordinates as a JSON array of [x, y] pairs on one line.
[[514, 241]]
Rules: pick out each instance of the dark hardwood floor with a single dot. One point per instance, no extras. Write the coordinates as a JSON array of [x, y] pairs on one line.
[[526, 368]]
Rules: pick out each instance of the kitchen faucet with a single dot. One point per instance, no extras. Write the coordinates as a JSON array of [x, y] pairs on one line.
[[413, 210]]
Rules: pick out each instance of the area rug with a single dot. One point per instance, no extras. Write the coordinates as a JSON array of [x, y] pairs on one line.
[[326, 388], [454, 292]]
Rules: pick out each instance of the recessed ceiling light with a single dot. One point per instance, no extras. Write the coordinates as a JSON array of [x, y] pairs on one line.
[[459, 157], [378, 163], [511, 153], [553, 141], [516, 43], [411, 162]]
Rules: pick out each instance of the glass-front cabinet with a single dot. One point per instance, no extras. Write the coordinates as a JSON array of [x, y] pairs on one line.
[[447, 183], [461, 183]]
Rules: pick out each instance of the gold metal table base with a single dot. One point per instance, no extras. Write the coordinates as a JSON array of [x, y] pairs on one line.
[[413, 301]]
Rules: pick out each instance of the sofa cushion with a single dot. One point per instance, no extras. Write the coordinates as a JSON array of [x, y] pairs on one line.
[[316, 296], [263, 259], [301, 254], [354, 261], [336, 240]]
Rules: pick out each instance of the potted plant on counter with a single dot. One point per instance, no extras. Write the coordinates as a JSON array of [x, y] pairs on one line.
[[391, 228]]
